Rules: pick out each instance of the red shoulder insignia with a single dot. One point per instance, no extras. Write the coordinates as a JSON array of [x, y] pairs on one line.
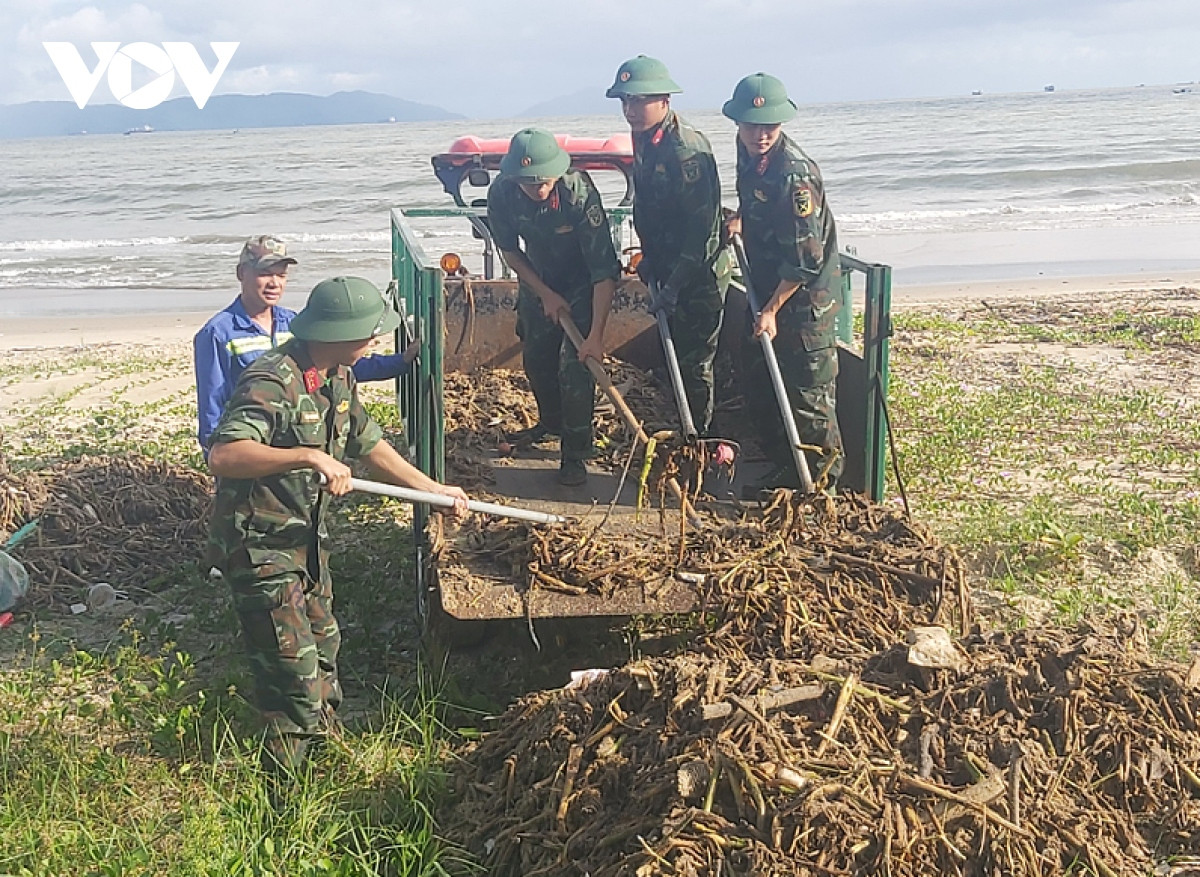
[[312, 380], [657, 138]]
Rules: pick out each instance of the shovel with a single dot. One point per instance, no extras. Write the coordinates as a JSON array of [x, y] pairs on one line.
[[718, 454], [785, 408], [409, 494], [606, 384]]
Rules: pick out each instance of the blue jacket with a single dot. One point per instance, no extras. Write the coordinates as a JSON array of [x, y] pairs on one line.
[[230, 341]]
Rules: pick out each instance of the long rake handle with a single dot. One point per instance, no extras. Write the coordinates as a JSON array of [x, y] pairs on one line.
[[785, 408], [410, 494], [681, 399]]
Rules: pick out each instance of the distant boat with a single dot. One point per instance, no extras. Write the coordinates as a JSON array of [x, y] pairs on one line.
[[1048, 88], [976, 93], [1180, 90], [145, 129]]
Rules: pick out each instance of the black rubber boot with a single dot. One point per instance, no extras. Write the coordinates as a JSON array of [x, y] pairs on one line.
[[534, 435], [572, 473]]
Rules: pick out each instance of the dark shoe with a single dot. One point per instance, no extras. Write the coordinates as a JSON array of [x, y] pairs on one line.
[[780, 476], [534, 435], [572, 473]]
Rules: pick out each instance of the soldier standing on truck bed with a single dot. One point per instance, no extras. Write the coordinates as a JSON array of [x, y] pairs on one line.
[[677, 215], [294, 414], [568, 264], [791, 244]]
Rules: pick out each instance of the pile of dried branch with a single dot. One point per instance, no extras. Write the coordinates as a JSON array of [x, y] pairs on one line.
[[800, 735], [485, 407], [122, 520]]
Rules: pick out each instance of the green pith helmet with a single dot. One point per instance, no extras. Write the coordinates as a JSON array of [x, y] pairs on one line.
[[344, 309], [759, 99], [642, 75], [534, 156]]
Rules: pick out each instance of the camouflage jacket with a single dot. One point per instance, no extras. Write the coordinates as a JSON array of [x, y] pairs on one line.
[[787, 226], [677, 201], [567, 237], [282, 401]]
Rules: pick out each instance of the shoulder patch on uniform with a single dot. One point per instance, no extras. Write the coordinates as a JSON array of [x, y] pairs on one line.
[[343, 406], [595, 215], [802, 201], [691, 170]]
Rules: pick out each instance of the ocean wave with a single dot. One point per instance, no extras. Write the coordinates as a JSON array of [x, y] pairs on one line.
[[95, 244], [324, 237], [907, 219]]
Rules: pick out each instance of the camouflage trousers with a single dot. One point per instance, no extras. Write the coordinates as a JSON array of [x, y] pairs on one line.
[[562, 385], [292, 640], [695, 330], [810, 377]]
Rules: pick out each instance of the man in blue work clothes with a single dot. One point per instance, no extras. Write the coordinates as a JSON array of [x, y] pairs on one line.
[[253, 324]]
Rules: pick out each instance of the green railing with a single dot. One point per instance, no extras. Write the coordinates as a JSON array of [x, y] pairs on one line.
[[872, 385]]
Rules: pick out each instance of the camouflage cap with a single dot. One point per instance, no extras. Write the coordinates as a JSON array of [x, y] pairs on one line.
[[264, 252]]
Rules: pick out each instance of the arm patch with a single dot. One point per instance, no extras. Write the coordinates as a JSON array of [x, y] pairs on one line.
[[595, 215], [690, 170], [803, 202]]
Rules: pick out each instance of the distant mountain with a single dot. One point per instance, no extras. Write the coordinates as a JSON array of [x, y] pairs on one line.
[[282, 109], [586, 102]]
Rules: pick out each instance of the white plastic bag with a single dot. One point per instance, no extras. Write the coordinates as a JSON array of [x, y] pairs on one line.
[[14, 581]]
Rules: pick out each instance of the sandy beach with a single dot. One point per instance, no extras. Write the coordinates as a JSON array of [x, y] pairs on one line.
[[31, 336], [85, 364]]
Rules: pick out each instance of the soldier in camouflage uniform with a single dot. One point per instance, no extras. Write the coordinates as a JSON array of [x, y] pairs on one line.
[[677, 214], [568, 263], [295, 414], [791, 244]]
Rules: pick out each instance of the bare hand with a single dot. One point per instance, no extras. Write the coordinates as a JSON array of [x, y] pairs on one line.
[[412, 351], [336, 474], [554, 304], [765, 323], [459, 496], [592, 348]]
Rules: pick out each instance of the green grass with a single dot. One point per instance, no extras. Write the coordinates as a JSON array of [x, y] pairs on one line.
[[1050, 473], [124, 764]]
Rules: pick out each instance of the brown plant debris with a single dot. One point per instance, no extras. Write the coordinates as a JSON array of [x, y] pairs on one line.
[[486, 406], [795, 737], [122, 520]]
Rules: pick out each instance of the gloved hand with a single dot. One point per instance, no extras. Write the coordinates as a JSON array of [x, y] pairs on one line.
[[664, 299]]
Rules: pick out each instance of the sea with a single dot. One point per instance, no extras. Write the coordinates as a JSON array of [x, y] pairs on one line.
[[967, 189]]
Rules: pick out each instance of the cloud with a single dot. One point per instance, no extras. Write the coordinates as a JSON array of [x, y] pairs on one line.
[[472, 57]]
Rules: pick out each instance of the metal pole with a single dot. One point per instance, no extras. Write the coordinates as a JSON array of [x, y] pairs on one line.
[[681, 399], [409, 494], [785, 408]]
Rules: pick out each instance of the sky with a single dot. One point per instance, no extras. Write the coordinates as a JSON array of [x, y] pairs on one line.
[[495, 59]]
